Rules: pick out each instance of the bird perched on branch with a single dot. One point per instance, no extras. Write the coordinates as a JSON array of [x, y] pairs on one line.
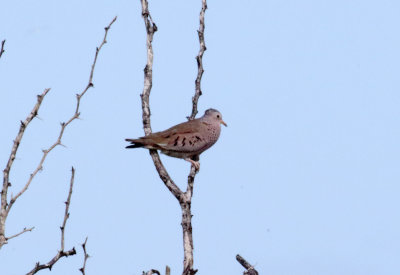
[[186, 140]]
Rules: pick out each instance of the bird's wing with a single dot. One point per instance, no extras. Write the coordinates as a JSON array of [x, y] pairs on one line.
[[184, 137]]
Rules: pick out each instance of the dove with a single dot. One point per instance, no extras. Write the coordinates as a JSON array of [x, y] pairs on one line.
[[186, 140]]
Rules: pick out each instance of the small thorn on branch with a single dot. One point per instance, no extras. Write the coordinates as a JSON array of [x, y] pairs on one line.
[[85, 257]]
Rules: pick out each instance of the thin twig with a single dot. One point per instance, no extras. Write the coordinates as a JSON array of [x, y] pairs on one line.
[[2, 47], [61, 253], [20, 233], [85, 257], [249, 268], [64, 124], [7, 169], [67, 203]]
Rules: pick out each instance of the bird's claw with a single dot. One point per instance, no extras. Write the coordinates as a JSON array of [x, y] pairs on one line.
[[196, 164]]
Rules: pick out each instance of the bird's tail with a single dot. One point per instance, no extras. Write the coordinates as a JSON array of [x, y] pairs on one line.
[[135, 143]]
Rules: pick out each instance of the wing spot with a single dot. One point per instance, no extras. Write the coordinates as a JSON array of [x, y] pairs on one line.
[[183, 141], [176, 141]]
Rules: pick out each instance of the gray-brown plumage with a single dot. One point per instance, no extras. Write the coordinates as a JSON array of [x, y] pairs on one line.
[[186, 140]]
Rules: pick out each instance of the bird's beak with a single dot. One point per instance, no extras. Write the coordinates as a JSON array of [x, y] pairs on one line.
[[223, 122]]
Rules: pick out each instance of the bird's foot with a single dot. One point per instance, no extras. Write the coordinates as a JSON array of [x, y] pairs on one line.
[[196, 164]]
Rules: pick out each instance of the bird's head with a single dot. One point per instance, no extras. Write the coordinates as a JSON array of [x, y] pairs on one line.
[[214, 115]]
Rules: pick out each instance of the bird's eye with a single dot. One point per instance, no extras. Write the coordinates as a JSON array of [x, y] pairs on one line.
[[217, 116]]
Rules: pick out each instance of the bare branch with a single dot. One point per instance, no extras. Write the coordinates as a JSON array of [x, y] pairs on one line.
[[63, 124], [2, 47], [167, 270], [49, 265], [183, 198], [7, 169], [249, 268], [186, 204], [67, 203], [61, 253], [151, 28], [85, 257], [199, 59], [20, 233]]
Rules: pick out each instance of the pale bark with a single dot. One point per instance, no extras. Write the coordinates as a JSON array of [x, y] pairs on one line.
[[184, 198]]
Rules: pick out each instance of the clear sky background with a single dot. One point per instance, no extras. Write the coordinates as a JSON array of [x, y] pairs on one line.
[[305, 180]]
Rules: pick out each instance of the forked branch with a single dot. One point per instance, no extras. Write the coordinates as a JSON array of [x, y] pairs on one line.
[[184, 198], [5, 205], [6, 172], [61, 253]]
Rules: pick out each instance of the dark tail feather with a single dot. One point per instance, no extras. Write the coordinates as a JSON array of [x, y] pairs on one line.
[[134, 143]]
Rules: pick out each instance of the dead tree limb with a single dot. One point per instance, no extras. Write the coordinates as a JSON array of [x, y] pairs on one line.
[[7, 205], [249, 268], [6, 172], [61, 253], [184, 198]]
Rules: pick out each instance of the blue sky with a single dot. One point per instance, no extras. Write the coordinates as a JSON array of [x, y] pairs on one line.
[[305, 180]]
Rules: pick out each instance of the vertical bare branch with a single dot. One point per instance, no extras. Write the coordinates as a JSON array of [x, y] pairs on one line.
[[183, 198], [7, 169], [85, 257], [5, 206], [199, 59], [61, 253], [249, 268], [186, 204], [151, 28], [67, 203], [2, 47]]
